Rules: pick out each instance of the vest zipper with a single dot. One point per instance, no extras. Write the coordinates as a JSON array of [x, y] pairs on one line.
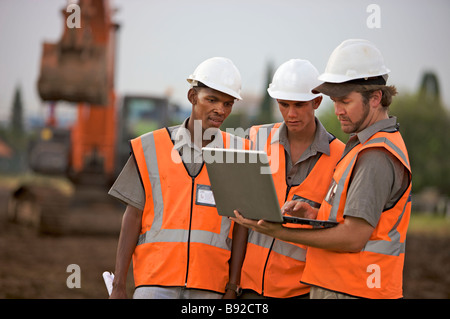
[[271, 247], [189, 232]]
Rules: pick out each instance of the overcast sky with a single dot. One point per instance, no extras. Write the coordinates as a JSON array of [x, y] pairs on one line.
[[161, 42]]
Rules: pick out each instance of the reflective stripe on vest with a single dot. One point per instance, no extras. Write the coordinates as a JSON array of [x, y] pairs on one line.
[[281, 247], [393, 247]]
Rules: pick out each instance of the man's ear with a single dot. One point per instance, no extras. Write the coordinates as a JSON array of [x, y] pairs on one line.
[[375, 98], [317, 101], [192, 96]]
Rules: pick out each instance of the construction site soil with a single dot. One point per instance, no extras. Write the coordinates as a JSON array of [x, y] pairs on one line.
[[35, 266]]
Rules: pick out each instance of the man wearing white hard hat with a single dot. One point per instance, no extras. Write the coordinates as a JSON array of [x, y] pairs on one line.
[[179, 245], [302, 157], [369, 196]]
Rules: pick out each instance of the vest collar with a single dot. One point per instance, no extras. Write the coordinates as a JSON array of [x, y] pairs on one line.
[[368, 132]]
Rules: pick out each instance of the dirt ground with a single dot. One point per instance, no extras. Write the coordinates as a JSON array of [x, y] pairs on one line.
[[35, 266]]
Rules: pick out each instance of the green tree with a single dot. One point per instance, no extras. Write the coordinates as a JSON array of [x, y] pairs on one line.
[[16, 136], [424, 124], [266, 110], [16, 124]]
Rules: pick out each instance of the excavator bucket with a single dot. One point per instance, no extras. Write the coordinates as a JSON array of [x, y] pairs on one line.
[[78, 67], [73, 77]]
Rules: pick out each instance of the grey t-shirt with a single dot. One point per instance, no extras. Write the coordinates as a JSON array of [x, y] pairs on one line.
[[297, 172], [378, 179]]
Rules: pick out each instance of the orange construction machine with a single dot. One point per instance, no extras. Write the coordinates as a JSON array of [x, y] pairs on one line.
[[79, 68]]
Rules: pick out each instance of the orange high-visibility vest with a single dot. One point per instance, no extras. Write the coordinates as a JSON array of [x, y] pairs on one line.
[[375, 271], [273, 267], [183, 241]]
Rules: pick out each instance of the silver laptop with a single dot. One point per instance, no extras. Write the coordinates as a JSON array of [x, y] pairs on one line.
[[241, 180]]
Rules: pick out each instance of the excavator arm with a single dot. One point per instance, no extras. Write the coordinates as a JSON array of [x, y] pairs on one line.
[[80, 68]]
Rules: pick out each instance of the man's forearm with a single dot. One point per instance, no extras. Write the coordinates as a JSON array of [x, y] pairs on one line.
[[129, 234], [350, 236], [238, 251]]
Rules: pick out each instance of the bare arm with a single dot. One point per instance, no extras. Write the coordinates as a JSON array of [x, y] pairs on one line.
[[238, 250], [350, 236], [129, 234]]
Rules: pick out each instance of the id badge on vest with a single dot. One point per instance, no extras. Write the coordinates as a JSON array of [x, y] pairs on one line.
[[204, 196]]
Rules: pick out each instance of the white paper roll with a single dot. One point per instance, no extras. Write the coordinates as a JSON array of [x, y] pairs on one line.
[[108, 278]]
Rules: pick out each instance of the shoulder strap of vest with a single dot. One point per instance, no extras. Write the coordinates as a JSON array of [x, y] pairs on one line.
[[137, 150], [393, 142], [331, 137], [336, 145], [170, 135], [226, 138], [260, 135], [234, 141], [135, 162]]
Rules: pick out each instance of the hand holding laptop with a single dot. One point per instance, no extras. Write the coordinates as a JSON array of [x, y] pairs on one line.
[[261, 226], [294, 208]]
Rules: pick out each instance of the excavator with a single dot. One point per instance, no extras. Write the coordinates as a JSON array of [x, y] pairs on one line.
[[80, 69]]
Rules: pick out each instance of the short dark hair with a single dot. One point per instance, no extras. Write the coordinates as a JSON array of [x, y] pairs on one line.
[[200, 85], [388, 91]]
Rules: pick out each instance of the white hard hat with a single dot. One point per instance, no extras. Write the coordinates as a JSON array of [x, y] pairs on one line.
[[219, 74], [294, 80], [354, 59]]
